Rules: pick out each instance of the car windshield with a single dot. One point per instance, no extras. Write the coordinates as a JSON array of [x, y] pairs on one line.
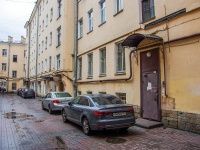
[[62, 94], [107, 100]]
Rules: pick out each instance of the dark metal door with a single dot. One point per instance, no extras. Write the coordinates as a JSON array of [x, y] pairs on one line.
[[150, 88]]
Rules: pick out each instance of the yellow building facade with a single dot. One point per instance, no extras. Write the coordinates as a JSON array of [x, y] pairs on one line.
[[49, 57], [12, 71], [146, 52]]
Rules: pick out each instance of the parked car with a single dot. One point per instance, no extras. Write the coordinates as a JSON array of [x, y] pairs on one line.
[[19, 91], [25, 93], [55, 101], [99, 112]]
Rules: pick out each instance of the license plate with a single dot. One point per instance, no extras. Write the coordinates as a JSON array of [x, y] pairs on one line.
[[119, 114]]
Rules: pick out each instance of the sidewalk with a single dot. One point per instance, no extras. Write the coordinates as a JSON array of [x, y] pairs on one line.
[[31, 128]]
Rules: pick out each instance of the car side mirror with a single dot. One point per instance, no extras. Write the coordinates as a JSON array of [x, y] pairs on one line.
[[70, 103]]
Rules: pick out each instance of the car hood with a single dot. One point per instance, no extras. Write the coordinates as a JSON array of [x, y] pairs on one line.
[[114, 106]]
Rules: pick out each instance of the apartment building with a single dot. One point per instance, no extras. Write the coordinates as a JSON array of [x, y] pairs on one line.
[[50, 36], [147, 53], [12, 69]]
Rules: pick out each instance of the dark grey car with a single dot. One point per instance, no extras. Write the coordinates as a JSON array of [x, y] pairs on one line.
[[99, 112]]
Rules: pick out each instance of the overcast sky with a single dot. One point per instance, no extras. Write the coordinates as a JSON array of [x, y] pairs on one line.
[[13, 16]]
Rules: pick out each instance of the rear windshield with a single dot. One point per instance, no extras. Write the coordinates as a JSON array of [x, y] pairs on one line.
[[107, 100], [62, 94]]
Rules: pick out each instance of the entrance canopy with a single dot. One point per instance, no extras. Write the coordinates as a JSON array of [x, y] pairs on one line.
[[137, 39]]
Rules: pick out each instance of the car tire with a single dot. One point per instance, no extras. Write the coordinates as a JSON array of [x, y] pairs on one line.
[[43, 107], [86, 126], [50, 110], [64, 116], [124, 129]]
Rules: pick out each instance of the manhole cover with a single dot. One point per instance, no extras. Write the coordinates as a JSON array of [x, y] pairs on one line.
[[115, 140]]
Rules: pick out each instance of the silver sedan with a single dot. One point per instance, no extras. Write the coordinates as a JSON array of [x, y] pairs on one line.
[[55, 101], [99, 112]]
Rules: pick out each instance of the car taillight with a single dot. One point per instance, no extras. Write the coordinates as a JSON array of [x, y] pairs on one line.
[[56, 101], [101, 113], [131, 110]]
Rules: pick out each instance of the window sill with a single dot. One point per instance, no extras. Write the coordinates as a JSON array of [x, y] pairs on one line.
[[148, 20], [58, 46], [80, 38], [50, 20], [50, 44], [90, 77], [79, 78], [102, 23], [118, 13], [90, 31], [120, 73], [46, 25], [102, 75], [58, 17]]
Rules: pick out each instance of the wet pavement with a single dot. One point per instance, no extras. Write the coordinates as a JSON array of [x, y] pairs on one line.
[[25, 126]]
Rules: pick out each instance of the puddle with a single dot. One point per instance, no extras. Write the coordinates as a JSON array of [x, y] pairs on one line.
[[58, 142], [115, 140], [15, 115]]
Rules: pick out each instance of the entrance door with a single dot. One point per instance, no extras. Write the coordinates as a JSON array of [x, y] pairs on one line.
[[150, 89]]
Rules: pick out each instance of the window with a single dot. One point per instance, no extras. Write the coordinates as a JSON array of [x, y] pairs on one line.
[[103, 11], [80, 28], [148, 11], [14, 58], [50, 41], [46, 43], [42, 46], [51, 14], [45, 65], [59, 36], [59, 7], [90, 65], [4, 52], [39, 68], [89, 92], [40, 29], [79, 68], [119, 5], [83, 101], [14, 74], [3, 66], [39, 49], [49, 63], [122, 96], [24, 53], [47, 18], [120, 58], [103, 61], [42, 67], [58, 62], [43, 25], [40, 10], [90, 15], [14, 86]]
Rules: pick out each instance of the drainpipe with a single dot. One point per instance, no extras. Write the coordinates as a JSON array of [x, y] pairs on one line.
[[8, 77], [36, 58], [28, 73], [75, 45]]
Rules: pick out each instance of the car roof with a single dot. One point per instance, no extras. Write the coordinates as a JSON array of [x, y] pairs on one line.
[[96, 95]]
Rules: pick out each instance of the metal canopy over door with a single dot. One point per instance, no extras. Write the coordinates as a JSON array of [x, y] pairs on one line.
[[150, 89]]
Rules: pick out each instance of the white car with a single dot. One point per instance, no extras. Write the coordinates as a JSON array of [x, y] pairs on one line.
[[55, 101]]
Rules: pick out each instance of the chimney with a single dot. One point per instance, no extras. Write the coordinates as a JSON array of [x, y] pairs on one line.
[[10, 39], [23, 40]]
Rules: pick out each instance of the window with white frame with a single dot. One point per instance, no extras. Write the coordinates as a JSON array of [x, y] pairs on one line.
[[90, 19], [103, 11], [47, 19], [51, 14], [50, 63], [122, 96], [80, 28], [39, 68], [59, 3], [42, 46], [59, 36], [42, 66], [4, 52], [103, 61], [45, 65], [90, 65], [14, 74], [121, 65], [58, 62], [43, 25], [79, 68], [147, 9], [119, 5], [3, 66], [46, 43], [40, 29], [40, 9], [43, 5], [14, 86], [50, 41], [39, 49]]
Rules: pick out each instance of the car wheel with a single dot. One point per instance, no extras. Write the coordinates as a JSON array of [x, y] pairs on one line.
[[86, 126], [50, 110], [124, 129], [43, 107], [64, 116]]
